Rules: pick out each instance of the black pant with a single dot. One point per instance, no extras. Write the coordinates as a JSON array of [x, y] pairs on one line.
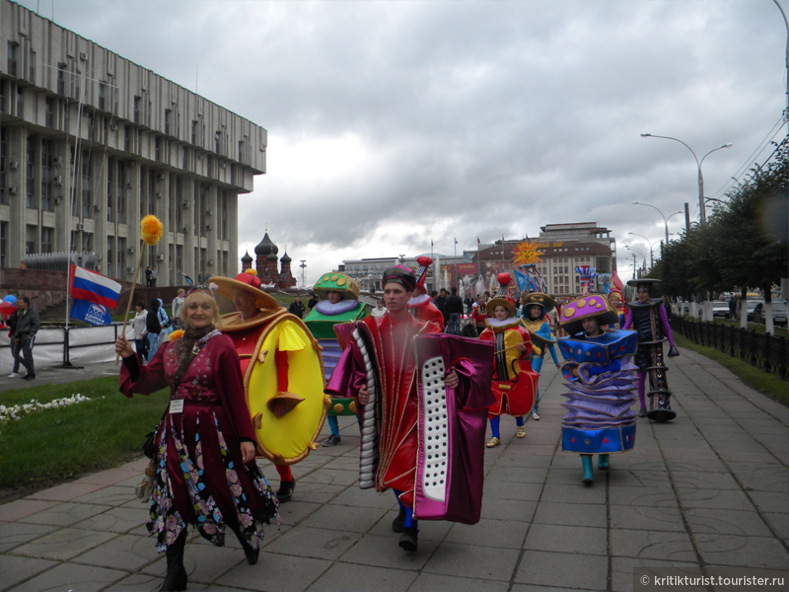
[[25, 348]]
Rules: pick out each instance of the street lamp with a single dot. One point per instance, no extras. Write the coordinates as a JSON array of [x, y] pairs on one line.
[[665, 220], [303, 276], [651, 260], [634, 250], [703, 214]]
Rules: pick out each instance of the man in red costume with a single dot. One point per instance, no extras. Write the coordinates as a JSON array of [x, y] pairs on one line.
[[394, 342], [255, 310], [420, 305]]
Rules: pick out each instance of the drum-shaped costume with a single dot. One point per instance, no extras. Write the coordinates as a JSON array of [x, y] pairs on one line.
[[649, 320], [514, 383], [601, 380]]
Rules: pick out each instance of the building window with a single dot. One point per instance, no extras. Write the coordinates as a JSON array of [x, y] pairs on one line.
[[20, 103], [194, 132], [3, 244], [151, 193], [30, 239], [2, 96], [12, 58], [87, 199], [241, 152], [168, 120], [47, 239], [30, 169], [137, 103], [110, 256], [61, 79], [50, 114], [102, 96], [224, 215], [120, 181], [121, 251], [31, 67], [3, 149], [46, 180], [139, 142], [217, 142]]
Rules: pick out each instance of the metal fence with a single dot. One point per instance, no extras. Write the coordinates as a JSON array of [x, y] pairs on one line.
[[760, 349]]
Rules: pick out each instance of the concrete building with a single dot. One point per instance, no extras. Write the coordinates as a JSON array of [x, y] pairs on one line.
[[88, 133]]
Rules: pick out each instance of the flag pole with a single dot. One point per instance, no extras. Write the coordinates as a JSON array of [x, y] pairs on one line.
[[131, 297]]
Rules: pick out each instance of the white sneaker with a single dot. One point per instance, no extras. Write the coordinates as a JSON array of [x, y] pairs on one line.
[[535, 416], [13, 375]]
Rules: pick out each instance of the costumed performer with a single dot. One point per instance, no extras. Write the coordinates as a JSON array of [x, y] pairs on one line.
[[514, 381], [615, 301], [339, 303], [600, 377], [403, 421], [282, 369], [648, 318], [206, 473], [421, 305], [536, 306]]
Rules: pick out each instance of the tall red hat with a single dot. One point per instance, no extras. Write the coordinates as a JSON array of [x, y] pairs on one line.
[[502, 297]]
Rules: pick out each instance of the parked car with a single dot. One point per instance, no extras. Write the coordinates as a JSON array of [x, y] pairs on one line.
[[720, 309], [750, 306], [779, 313]]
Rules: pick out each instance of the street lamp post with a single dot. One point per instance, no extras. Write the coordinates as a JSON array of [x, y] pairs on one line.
[[703, 213], [643, 256], [303, 272], [665, 220], [651, 259]]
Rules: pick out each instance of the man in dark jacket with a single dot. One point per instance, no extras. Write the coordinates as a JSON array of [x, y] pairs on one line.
[[455, 310], [297, 307], [27, 325]]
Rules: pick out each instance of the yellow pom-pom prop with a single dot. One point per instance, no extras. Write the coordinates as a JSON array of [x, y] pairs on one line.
[[151, 230], [176, 335], [251, 271]]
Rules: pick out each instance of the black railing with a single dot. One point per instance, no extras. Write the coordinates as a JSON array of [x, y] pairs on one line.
[[760, 349]]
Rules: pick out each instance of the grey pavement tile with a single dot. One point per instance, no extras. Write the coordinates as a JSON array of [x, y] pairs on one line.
[[629, 477], [284, 573], [499, 474], [770, 501], [646, 518], [562, 570], [706, 521], [741, 551], [496, 509], [622, 571], [125, 552], [294, 511], [114, 495], [442, 583], [743, 468], [18, 509], [76, 578], [635, 496], [485, 563], [121, 520], [532, 588], [779, 522], [344, 518], [344, 463], [349, 577], [384, 551], [652, 544], [687, 454], [489, 533], [14, 534], [65, 514], [692, 479], [137, 582], [313, 542], [18, 569], [578, 493], [568, 514], [567, 539], [64, 544], [316, 492], [507, 490], [721, 499], [690, 466], [365, 498], [332, 477], [523, 461], [730, 456]]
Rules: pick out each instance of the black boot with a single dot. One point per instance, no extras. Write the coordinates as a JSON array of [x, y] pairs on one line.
[[252, 554], [175, 580], [285, 492], [408, 540], [399, 522]]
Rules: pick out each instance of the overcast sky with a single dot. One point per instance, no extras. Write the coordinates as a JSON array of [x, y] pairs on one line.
[[394, 123]]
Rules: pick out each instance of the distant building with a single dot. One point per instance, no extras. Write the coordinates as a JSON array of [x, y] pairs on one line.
[[266, 265], [79, 121]]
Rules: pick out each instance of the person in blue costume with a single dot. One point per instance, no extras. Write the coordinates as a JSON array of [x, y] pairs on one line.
[[535, 306], [601, 378]]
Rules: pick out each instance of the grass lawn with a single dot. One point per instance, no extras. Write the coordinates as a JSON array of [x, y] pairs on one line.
[[779, 329], [757, 378], [51, 446]]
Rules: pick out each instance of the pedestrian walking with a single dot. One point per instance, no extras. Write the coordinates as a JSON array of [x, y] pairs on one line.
[[154, 327], [455, 311], [297, 307], [27, 326]]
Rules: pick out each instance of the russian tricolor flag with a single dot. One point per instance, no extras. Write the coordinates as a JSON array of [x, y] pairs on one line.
[[93, 287]]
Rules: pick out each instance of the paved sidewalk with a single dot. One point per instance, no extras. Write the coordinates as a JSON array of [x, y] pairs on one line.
[[709, 489]]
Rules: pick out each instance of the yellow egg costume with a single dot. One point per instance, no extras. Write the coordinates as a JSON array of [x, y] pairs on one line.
[[284, 387]]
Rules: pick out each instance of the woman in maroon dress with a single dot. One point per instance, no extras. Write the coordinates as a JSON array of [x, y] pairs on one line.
[[206, 471]]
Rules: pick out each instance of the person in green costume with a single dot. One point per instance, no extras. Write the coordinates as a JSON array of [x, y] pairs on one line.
[[339, 303]]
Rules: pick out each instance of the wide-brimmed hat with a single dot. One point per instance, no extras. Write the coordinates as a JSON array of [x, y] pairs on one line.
[[647, 283], [593, 306], [502, 296], [247, 281], [543, 300], [338, 282]]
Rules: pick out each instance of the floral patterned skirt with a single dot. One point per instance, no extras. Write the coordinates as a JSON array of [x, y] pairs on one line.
[[201, 480]]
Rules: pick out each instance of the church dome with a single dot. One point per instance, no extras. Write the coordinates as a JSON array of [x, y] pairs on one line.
[[247, 258], [266, 247], [285, 258]]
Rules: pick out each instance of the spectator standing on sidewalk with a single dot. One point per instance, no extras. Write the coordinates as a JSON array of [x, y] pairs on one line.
[[154, 276], [178, 302], [27, 325], [154, 327], [11, 322], [139, 325], [297, 307], [148, 274], [455, 310]]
